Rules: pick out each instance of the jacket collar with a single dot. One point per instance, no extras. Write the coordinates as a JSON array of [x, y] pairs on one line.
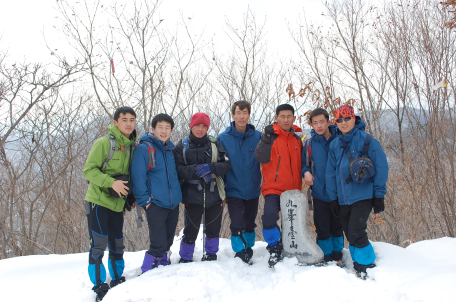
[[250, 130], [198, 141], [158, 143], [359, 126], [321, 139], [120, 138], [281, 132]]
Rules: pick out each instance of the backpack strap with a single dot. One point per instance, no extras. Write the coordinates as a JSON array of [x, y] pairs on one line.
[[112, 148], [151, 152], [184, 149], [347, 151], [366, 145]]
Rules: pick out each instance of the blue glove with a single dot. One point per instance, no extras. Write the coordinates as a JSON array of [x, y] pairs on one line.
[[204, 171]]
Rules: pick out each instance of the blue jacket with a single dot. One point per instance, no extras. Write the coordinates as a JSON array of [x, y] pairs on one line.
[[319, 154], [159, 185], [338, 168], [244, 178]]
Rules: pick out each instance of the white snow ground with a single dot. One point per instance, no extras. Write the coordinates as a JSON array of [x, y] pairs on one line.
[[424, 271]]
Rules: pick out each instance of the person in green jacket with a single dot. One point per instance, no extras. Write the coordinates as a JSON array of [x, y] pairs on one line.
[[104, 210]]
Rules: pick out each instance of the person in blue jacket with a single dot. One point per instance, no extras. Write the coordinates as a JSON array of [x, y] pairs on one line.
[[157, 189], [330, 235], [353, 201], [243, 181]]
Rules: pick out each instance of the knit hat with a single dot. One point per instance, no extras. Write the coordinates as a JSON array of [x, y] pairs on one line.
[[344, 111], [200, 118]]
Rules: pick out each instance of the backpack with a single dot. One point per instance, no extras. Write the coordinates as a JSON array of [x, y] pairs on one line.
[[361, 169], [217, 179]]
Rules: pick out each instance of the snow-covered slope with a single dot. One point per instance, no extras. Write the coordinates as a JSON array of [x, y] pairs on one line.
[[424, 271]]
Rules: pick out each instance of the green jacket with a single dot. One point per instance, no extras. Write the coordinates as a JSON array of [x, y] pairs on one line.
[[98, 191]]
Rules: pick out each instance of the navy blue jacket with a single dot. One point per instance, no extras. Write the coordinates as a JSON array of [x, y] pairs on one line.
[[244, 178], [338, 168], [159, 185], [319, 154]]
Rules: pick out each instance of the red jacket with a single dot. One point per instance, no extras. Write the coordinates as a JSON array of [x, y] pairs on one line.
[[281, 159]]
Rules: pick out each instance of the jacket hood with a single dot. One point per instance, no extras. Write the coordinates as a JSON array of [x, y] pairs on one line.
[[332, 128], [120, 138], [359, 126], [149, 137], [280, 131], [250, 130]]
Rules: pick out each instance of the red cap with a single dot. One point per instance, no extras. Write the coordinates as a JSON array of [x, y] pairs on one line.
[[200, 118], [344, 111]]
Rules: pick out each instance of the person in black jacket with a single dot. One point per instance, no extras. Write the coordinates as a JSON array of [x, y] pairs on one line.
[[197, 173]]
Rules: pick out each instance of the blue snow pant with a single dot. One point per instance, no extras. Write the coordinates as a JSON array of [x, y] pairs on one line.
[[105, 230], [354, 222], [330, 234], [271, 232], [242, 215]]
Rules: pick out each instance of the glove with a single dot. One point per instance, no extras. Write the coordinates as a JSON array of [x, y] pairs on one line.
[[379, 205], [268, 130], [204, 171], [335, 208], [129, 202]]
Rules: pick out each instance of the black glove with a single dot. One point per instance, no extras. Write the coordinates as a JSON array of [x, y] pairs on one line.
[[335, 208], [379, 205], [129, 202], [268, 130]]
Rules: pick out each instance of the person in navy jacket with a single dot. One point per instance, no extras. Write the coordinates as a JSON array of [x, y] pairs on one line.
[[157, 189], [243, 181], [352, 201], [330, 235]]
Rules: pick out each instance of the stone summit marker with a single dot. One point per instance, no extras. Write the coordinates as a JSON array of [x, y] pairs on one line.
[[296, 239]]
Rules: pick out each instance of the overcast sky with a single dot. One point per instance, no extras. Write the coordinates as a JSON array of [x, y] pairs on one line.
[[22, 22]]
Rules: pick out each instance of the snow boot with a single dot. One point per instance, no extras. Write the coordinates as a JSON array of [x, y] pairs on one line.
[[101, 291], [275, 252], [150, 262], [337, 257], [207, 257], [114, 283], [182, 260], [245, 256], [361, 270]]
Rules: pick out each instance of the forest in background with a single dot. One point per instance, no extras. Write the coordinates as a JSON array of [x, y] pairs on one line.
[[393, 61]]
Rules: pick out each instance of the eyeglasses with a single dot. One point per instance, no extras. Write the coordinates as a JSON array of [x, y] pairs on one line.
[[340, 120]]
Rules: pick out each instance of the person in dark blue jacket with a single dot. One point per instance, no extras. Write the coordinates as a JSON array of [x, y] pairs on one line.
[[353, 201], [330, 235], [157, 189], [243, 181]]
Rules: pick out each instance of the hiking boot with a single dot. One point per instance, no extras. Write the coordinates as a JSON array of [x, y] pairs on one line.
[[116, 282], [245, 256], [361, 270], [181, 260], [275, 254], [207, 257], [101, 291]]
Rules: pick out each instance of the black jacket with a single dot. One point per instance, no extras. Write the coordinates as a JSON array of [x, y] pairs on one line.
[[199, 152]]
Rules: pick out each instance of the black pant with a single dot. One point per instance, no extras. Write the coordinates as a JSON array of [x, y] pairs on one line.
[[271, 211], [192, 221], [354, 222], [105, 230], [162, 226], [327, 225], [242, 214]]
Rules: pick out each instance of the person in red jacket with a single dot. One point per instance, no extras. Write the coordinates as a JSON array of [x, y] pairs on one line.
[[279, 150]]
